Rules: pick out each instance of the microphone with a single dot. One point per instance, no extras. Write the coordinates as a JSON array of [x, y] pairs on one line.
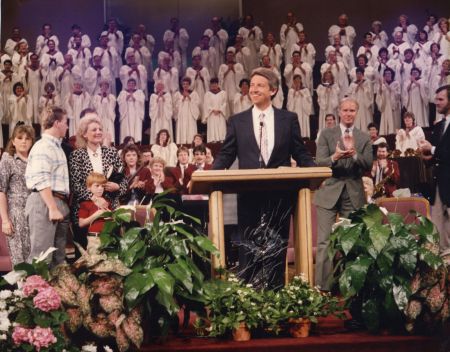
[[262, 165]]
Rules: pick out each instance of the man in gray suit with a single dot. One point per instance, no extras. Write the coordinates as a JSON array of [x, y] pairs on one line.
[[348, 152]]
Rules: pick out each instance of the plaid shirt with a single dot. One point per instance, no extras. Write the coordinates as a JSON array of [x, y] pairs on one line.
[[47, 166]]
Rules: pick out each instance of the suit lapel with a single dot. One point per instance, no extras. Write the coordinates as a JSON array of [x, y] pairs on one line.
[[278, 127]]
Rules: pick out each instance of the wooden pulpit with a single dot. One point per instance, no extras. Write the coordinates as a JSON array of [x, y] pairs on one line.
[[301, 180]]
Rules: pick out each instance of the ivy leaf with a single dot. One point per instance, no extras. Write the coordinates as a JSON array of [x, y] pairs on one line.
[[167, 301], [349, 237], [371, 314], [379, 236], [401, 296], [163, 280], [358, 271], [345, 284], [122, 215], [373, 216], [28, 268], [395, 221], [431, 259], [137, 284], [179, 228], [408, 261], [205, 243], [130, 255], [129, 237], [181, 275]]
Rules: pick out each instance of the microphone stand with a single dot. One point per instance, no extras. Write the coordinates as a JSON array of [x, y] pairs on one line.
[[262, 164]]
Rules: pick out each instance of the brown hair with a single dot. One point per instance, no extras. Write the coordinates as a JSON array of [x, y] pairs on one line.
[[267, 74], [159, 160], [182, 149], [56, 115], [18, 131], [95, 177], [131, 148]]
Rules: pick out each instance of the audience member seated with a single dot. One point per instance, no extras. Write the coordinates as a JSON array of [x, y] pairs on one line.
[[177, 176], [158, 182], [164, 148], [385, 173], [409, 137]]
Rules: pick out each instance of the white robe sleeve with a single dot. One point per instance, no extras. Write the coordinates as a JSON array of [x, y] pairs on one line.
[[122, 101]]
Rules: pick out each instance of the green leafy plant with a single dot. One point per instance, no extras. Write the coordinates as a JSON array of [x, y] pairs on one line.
[[229, 303], [377, 257], [163, 257]]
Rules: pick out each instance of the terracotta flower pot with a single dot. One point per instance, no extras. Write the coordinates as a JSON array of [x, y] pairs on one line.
[[242, 333], [299, 327]]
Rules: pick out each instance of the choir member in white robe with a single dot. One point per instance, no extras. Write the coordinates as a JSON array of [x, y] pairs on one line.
[[199, 76], [96, 74], [398, 47], [109, 58], [7, 80], [43, 39], [180, 38], [384, 62], [12, 44], [327, 97], [81, 55], [306, 49], [164, 148], [298, 67], [442, 37], [48, 101], [339, 72], [379, 36], [343, 52], [230, 74], [431, 26], [149, 42], [300, 101], [369, 49], [174, 54], [160, 111], [67, 74], [76, 32], [416, 97], [207, 54], [242, 55], [141, 53], [186, 112], [388, 102], [50, 62], [433, 66], [215, 112], [253, 38], [74, 104], [218, 39], [406, 65], [361, 90], [104, 104], [21, 107], [273, 50], [278, 99], [410, 136], [408, 30], [132, 111], [20, 60], [33, 81], [242, 99], [369, 72], [136, 71], [115, 39], [421, 48], [167, 74], [346, 33], [289, 33]]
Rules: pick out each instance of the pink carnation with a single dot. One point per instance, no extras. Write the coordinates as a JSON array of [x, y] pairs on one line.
[[21, 335], [42, 337], [34, 283], [47, 299]]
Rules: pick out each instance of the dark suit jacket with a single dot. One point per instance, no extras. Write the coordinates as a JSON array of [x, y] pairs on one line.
[[240, 142], [441, 160]]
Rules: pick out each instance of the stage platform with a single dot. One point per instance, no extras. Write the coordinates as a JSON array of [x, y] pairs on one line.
[[330, 336]]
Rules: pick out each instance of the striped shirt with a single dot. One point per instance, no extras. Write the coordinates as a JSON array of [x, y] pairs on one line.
[[47, 166]]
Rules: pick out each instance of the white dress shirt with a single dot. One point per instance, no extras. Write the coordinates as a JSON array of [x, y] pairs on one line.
[[96, 159]]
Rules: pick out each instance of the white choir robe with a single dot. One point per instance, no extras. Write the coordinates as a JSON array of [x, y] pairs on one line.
[[290, 72], [219, 42], [20, 64], [241, 103], [187, 112], [81, 58], [253, 43], [275, 54], [389, 104], [371, 54], [45, 106], [115, 40], [411, 140], [216, 124], [346, 39], [443, 41], [365, 97], [410, 35], [289, 37], [380, 39], [415, 99], [131, 114], [66, 82], [244, 57], [20, 110], [344, 54], [92, 79], [41, 44], [161, 112], [110, 59], [169, 78], [328, 100], [168, 153], [340, 76], [85, 42], [197, 84], [6, 87], [300, 102], [11, 45], [141, 79], [149, 42], [49, 69], [142, 57], [396, 51], [278, 99], [33, 85], [422, 51], [175, 59], [432, 74], [230, 82], [180, 44], [106, 109], [208, 58], [74, 104], [307, 53], [369, 74]]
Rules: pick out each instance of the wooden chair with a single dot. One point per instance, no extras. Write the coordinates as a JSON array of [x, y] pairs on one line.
[[403, 205]]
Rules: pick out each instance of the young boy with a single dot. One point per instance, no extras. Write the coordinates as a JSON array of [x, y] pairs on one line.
[[89, 214]]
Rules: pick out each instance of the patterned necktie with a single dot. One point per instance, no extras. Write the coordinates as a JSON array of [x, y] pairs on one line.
[[264, 143], [347, 139]]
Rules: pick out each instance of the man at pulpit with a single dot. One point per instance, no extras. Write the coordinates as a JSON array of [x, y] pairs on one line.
[[263, 137]]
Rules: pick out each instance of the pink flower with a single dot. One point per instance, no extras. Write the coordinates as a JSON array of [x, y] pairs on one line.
[[47, 300], [21, 335], [42, 337], [34, 283]]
